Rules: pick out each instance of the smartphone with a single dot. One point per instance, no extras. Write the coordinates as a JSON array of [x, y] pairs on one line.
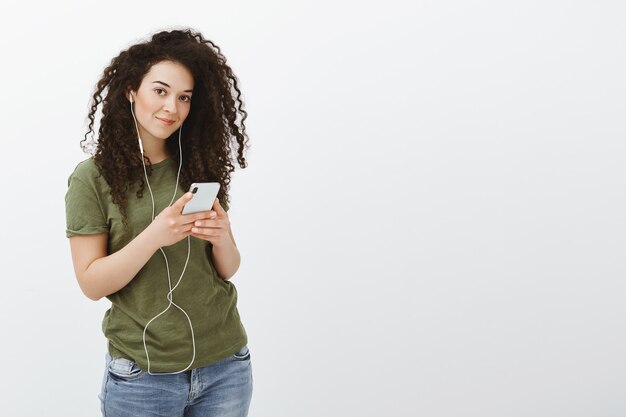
[[204, 194]]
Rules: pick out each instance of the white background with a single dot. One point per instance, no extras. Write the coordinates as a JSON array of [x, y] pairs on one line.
[[431, 223]]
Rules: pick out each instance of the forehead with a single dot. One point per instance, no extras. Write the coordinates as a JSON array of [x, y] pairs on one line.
[[172, 73]]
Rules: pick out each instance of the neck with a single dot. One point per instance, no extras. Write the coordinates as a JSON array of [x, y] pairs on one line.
[[156, 160], [156, 154]]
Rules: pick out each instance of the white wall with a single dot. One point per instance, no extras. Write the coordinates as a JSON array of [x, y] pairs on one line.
[[431, 224]]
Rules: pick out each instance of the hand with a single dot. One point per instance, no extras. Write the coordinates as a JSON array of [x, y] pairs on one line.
[[170, 226], [216, 228]]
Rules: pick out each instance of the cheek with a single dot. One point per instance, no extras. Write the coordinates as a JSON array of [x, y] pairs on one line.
[[184, 111], [147, 108], [152, 105]]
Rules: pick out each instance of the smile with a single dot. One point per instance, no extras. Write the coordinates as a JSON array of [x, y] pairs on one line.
[[166, 122]]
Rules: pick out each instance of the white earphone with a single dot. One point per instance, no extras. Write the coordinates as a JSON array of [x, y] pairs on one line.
[[169, 294]]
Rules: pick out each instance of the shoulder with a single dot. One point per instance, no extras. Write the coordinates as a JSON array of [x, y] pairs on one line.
[[86, 168], [86, 171]]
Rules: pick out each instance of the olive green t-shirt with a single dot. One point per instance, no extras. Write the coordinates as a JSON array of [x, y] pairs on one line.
[[209, 301]]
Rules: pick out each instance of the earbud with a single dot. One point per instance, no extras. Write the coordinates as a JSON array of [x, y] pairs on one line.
[[130, 96]]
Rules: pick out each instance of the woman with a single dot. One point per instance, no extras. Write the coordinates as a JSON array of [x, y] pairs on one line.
[[176, 345]]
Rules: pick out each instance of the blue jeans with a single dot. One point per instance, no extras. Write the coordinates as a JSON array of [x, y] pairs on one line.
[[221, 389]]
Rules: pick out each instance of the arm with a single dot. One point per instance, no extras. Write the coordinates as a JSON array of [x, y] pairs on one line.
[[100, 275], [216, 230], [226, 257]]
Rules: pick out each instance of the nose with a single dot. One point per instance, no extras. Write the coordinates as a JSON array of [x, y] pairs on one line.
[[170, 105]]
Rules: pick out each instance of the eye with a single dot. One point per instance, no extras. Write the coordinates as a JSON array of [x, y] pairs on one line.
[[187, 98]]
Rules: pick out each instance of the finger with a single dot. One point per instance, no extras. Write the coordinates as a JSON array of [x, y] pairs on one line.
[[187, 228], [204, 215], [203, 231], [207, 238], [180, 203], [207, 223], [192, 217], [218, 207]]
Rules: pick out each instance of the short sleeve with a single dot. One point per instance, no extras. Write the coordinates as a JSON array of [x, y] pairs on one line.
[[83, 212]]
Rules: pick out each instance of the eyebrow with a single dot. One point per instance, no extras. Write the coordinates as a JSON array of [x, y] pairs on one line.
[[161, 82]]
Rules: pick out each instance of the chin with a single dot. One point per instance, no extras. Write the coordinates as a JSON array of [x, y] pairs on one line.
[[161, 135]]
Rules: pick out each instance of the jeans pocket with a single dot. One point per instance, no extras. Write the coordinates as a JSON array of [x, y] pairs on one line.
[[242, 355], [124, 369]]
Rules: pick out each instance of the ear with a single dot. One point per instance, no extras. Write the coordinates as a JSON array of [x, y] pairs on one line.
[[127, 93]]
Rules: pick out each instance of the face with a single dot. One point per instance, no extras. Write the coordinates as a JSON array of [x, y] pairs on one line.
[[162, 101]]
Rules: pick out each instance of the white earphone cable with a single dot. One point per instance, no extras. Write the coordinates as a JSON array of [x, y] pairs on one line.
[[169, 280]]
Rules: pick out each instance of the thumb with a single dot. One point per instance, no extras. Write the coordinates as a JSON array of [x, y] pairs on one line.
[[218, 207], [180, 203]]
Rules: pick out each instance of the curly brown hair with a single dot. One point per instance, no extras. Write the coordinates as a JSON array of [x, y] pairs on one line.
[[209, 128]]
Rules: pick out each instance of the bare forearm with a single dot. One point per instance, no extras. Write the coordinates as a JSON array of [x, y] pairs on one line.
[[111, 273], [226, 259]]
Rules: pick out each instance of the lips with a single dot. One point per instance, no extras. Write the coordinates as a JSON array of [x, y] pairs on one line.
[[166, 121]]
